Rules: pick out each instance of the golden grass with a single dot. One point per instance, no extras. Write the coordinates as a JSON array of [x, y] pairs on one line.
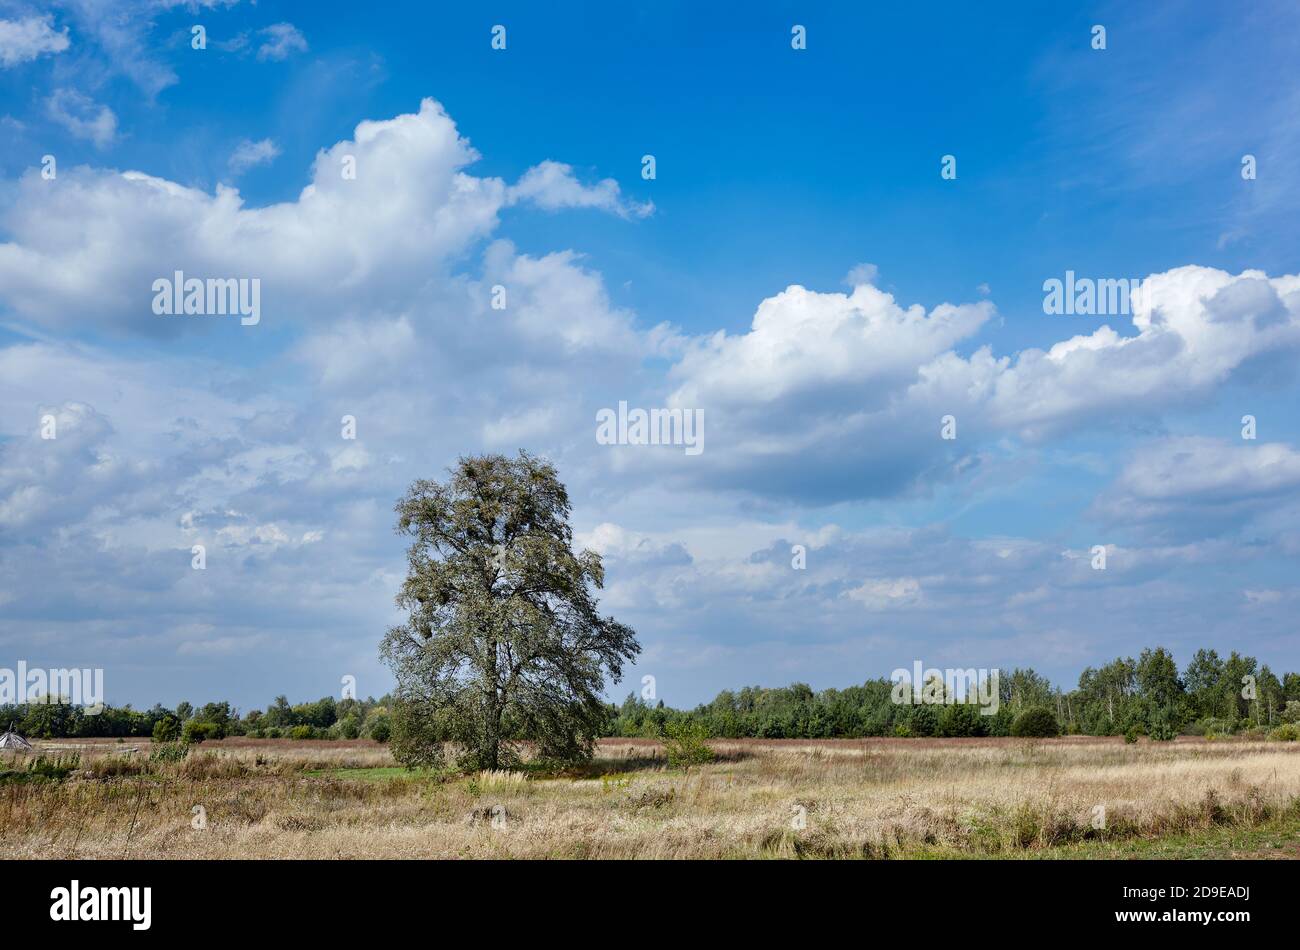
[[867, 798]]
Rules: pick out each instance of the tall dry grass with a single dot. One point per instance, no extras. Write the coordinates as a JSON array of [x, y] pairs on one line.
[[869, 798]]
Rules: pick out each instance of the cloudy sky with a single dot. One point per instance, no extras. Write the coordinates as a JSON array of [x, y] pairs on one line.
[[799, 269]]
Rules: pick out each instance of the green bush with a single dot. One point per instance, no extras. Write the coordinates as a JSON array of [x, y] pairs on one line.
[[349, 727], [1291, 714], [302, 732], [1288, 732], [167, 729], [196, 730], [1038, 722], [1162, 728], [924, 721], [1131, 735], [1211, 727], [381, 729], [685, 745]]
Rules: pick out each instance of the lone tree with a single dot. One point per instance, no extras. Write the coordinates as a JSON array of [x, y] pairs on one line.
[[503, 641]]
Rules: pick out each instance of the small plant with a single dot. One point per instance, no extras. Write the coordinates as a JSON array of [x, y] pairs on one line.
[[1131, 735], [169, 752], [1288, 732], [685, 744], [42, 769]]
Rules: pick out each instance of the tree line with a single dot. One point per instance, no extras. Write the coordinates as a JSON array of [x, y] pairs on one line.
[[1147, 696], [326, 718]]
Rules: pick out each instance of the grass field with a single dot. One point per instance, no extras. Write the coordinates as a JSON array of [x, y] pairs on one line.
[[874, 798]]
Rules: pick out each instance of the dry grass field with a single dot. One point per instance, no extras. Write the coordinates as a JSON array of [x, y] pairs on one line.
[[874, 798]]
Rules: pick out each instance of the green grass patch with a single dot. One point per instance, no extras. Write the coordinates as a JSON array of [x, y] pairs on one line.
[[383, 773]]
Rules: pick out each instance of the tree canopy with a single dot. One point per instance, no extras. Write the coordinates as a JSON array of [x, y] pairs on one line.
[[503, 641]]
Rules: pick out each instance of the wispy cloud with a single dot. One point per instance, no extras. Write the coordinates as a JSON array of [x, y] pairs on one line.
[[249, 154], [82, 116], [281, 40]]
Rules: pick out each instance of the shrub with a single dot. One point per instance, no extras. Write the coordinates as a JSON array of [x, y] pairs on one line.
[[1038, 722], [962, 719], [196, 730], [924, 721], [684, 743], [349, 727], [1131, 735], [381, 729], [1288, 732], [1211, 727], [302, 732], [167, 729], [1162, 728], [1291, 714]]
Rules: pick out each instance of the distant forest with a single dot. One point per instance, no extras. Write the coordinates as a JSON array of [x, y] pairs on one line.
[[1147, 696]]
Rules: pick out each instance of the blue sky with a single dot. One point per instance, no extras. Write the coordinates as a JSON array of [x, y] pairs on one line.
[[721, 285]]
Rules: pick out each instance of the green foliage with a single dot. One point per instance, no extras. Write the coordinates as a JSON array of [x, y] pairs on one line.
[[167, 729], [1036, 722], [685, 745], [378, 725], [416, 738], [1211, 727], [1131, 735], [1288, 732], [196, 730], [924, 721], [962, 719], [41, 769], [1162, 728], [169, 751], [302, 732]]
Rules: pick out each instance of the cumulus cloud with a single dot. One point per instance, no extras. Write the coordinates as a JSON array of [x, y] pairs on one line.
[[380, 238], [832, 395], [23, 40], [1196, 486]]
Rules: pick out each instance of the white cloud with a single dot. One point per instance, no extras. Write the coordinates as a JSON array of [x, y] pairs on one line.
[[840, 395], [248, 154], [282, 40], [862, 274], [552, 186], [82, 116], [887, 593], [23, 40]]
